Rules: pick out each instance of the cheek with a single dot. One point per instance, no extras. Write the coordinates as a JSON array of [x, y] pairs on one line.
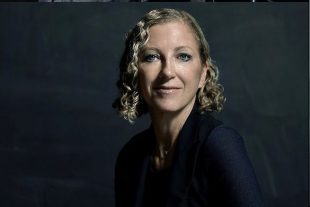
[[147, 75], [141, 79], [144, 81], [193, 75]]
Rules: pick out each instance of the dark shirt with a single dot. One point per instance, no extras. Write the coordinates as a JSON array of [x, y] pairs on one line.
[[210, 168], [156, 187]]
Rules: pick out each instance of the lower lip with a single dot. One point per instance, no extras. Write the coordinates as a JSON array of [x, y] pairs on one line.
[[166, 91]]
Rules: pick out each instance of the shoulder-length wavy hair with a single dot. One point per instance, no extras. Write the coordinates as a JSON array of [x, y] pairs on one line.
[[130, 104]]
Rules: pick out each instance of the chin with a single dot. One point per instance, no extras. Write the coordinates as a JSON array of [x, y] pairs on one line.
[[168, 107]]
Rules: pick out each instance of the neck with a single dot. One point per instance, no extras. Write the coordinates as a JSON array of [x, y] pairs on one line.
[[167, 125]]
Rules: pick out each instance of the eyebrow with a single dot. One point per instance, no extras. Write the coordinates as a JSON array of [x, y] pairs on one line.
[[182, 47], [150, 48], [158, 50]]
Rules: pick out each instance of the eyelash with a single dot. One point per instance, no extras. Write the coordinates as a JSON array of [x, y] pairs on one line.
[[184, 57], [151, 57]]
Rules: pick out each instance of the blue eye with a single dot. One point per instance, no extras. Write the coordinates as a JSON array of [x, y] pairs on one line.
[[150, 58], [184, 57]]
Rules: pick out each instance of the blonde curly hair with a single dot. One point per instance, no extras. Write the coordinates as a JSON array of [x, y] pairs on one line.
[[130, 104]]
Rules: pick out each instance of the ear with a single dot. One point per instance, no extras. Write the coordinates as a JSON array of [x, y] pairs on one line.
[[203, 75]]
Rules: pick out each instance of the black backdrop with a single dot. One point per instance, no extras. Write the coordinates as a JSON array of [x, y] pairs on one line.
[[58, 68]]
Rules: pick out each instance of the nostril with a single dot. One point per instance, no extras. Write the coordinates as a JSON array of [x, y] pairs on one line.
[[163, 78]]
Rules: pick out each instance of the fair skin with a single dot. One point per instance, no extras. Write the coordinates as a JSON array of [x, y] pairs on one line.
[[170, 73]]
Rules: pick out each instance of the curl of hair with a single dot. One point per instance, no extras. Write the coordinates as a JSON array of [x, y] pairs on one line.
[[130, 104], [210, 96]]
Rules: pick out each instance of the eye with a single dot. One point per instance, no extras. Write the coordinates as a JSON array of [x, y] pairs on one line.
[[151, 58], [184, 57]]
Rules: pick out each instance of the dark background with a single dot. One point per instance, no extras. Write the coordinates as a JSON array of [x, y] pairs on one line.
[[58, 68]]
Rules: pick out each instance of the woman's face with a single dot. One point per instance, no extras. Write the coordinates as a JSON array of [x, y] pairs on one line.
[[170, 69]]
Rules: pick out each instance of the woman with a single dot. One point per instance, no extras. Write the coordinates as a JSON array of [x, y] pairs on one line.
[[186, 157]]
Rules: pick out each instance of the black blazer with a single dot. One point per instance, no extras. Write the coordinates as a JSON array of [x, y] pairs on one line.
[[210, 167]]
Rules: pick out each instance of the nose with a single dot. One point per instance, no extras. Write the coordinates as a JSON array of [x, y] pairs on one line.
[[168, 69]]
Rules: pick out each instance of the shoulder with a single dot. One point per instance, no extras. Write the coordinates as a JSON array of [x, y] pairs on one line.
[[224, 135], [225, 161], [225, 143], [135, 141], [134, 147], [228, 166], [225, 153], [218, 137], [215, 134], [222, 145]]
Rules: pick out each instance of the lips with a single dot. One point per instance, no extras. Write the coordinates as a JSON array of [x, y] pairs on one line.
[[166, 89]]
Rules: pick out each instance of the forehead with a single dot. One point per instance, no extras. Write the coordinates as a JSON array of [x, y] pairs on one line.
[[172, 33]]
